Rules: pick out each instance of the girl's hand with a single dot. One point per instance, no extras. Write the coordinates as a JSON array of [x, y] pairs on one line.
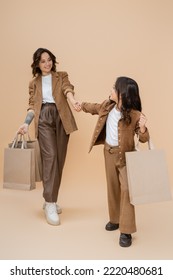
[[77, 106], [142, 122]]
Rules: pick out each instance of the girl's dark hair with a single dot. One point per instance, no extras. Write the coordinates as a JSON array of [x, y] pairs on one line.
[[127, 89], [36, 59]]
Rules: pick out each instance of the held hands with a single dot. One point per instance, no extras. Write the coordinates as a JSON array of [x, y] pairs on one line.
[[76, 104], [142, 122]]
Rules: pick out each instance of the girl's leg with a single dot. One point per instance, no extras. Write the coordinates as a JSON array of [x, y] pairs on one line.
[[127, 210], [113, 186]]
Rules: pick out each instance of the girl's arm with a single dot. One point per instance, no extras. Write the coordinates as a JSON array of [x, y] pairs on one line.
[[142, 122], [92, 108], [142, 129]]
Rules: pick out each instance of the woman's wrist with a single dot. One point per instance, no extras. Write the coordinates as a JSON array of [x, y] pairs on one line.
[[29, 118]]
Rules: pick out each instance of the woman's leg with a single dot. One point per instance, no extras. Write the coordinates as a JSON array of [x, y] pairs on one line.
[[53, 146]]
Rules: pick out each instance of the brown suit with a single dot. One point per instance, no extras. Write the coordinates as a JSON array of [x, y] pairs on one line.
[[53, 124], [120, 210]]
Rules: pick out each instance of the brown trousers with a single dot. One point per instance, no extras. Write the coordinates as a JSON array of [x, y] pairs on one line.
[[121, 211], [53, 143]]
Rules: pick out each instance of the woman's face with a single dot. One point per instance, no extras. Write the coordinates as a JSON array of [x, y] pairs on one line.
[[45, 64]]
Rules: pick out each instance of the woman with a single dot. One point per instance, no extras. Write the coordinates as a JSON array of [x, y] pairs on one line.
[[120, 118], [49, 93]]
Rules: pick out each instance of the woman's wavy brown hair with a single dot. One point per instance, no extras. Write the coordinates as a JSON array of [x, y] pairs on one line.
[[36, 59]]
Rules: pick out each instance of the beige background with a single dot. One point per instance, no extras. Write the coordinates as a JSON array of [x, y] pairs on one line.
[[95, 42]]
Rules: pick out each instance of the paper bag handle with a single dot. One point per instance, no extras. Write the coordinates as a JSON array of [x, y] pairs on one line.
[[22, 139], [150, 144]]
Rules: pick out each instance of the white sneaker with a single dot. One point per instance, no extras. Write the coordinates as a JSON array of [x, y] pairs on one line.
[[51, 213], [58, 208]]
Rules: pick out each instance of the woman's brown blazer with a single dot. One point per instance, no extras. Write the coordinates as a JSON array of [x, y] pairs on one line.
[[60, 87]]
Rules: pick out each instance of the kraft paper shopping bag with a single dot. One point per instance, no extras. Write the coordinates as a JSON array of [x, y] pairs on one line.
[[148, 177], [19, 169], [33, 144], [30, 144]]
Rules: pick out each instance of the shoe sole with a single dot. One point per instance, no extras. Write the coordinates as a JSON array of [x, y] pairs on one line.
[[125, 245], [53, 224], [111, 229]]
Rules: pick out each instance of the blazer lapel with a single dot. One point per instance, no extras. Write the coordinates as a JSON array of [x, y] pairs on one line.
[[105, 110], [39, 84]]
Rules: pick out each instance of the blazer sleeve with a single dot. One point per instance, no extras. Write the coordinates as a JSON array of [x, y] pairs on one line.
[[66, 85], [143, 137], [92, 108], [31, 96]]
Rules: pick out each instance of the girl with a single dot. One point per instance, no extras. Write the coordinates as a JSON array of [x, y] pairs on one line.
[[119, 119]]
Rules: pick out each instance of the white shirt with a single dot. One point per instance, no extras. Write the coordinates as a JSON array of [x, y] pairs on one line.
[[112, 127], [47, 89]]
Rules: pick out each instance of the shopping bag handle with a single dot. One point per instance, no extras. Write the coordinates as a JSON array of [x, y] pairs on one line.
[[150, 144], [22, 139]]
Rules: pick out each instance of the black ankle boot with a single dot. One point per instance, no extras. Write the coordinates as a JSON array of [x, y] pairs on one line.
[[110, 226], [125, 240]]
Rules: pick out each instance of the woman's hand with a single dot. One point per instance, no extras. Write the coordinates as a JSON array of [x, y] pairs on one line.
[[76, 104], [23, 129]]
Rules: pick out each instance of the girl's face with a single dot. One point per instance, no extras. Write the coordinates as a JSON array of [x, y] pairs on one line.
[[45, 64], [114, 97]]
